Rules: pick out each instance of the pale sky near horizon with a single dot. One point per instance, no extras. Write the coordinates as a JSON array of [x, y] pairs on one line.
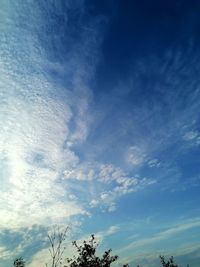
[[100, 127]]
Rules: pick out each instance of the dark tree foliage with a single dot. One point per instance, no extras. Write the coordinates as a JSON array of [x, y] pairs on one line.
[[169, 263], [87, 256], [19, 262]]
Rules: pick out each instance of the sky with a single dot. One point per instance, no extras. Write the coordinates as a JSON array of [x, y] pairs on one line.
[[100, 128]]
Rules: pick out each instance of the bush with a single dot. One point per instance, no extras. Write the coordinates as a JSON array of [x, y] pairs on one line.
[[19, 262], [87, 256]]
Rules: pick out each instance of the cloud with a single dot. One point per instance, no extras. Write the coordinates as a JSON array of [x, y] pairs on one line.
[[5, 253], [181, 256], [24, 241], [151, 112], [135, 155], [106, 183], [176, 229], [113, 229], [102, 235], [192, 136], [41, 118], [40, 258], [33, 133], [154, 163]]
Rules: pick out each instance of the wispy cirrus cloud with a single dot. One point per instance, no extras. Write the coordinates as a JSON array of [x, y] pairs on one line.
[[166, 234], [192, 137]]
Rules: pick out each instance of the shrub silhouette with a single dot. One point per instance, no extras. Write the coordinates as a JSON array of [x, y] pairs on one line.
[[87, 255], [19, 262], [169, 263]]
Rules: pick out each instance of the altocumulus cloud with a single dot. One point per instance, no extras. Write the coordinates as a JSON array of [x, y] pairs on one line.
[[40, 120], [45, 116]]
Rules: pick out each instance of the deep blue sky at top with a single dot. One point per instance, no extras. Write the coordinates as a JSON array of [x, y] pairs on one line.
[[141, 32], [132, 31], [138, 29]]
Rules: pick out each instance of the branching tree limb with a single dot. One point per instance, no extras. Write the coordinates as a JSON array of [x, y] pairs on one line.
[[57, 248]]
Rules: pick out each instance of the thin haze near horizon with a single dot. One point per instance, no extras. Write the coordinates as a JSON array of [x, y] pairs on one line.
[[100, 127]]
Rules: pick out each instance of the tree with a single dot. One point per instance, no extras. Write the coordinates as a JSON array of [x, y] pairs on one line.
[[19, 262], [57, 248], [169, 263], [87, 255]]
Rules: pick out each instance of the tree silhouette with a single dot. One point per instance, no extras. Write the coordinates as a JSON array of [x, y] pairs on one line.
[[19, 262], [169, 263], [87, 255], [57, 248]]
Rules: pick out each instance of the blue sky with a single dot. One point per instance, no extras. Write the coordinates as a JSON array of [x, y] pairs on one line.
[[99, 127]]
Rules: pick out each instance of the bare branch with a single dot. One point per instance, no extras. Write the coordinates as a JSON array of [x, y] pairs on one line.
[[56, 250]]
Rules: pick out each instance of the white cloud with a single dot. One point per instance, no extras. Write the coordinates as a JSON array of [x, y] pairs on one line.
[[113, 229], [192, 136], [193, 223], [112, 207], [41, 125], [110, 183], [35, 121], [5, 253], [106, 233], [135, 155], [154, 163], [40, 258], [32, 137], [80, 173], [94, 203]]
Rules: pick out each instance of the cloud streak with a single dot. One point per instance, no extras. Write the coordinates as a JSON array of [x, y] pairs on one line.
[[185, 226]]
